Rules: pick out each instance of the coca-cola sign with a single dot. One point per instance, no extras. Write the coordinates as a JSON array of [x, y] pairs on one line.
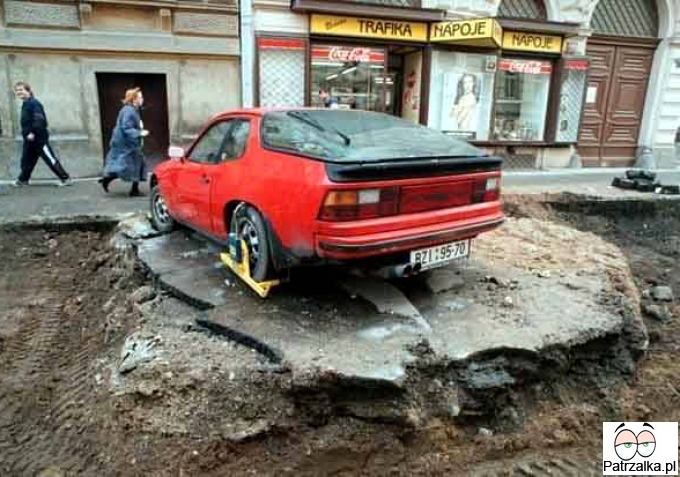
[[343, 54], [526, 67], [346, 54]]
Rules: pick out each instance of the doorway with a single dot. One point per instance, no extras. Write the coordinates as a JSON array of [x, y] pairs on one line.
[[615, 100], [111, 89]]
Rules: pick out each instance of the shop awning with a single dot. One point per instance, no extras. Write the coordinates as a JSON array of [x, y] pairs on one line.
[[339, 7], [484, 32]]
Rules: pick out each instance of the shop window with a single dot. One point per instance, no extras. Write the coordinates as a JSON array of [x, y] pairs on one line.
[[521, 100], [282, 72], [461, 94], [346, 77]]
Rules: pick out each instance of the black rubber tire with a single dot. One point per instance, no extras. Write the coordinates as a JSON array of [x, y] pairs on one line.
[[641, 174], [251, 227], [160, 216]]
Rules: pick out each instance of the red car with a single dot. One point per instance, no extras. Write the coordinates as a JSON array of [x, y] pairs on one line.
[[305, 186]]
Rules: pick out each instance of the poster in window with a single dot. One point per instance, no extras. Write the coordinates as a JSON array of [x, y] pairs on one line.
[[463, 99]]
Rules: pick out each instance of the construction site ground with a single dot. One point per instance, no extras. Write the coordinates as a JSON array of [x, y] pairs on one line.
[[507, 365]]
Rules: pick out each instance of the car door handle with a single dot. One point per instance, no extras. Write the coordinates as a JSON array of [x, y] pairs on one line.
[[205, 180]]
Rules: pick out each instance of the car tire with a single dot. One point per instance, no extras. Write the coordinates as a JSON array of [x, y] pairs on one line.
[[160, 216], [251, 228]]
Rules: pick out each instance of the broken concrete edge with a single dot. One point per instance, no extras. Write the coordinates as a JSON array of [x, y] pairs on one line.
[[566, 196], [161, 285], [71, 222], [273, 354]]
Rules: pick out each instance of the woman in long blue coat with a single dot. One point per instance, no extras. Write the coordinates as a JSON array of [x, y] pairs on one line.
[[125, 160]]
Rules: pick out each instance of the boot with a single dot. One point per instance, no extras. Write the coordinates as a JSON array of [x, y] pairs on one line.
[[134, 192], [105, 181]]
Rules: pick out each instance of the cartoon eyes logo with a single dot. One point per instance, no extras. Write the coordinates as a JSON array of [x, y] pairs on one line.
[[628, 444]]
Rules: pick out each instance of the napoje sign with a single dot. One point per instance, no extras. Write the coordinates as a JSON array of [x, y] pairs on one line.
[[368, 28], [523, 41], [481, 32]]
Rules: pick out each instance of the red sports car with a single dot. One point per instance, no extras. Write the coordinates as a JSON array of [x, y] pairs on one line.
[[305, 186]]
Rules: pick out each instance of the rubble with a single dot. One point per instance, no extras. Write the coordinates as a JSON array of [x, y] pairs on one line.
[[662, 293], [658, 312]]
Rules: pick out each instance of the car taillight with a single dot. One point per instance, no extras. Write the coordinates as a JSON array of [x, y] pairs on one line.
[[342, 205], [487, 190]]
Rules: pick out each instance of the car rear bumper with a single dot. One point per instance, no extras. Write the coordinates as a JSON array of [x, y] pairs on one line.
[[348, 246]]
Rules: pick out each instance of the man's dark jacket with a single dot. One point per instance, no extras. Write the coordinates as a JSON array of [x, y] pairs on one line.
[[34, 120]]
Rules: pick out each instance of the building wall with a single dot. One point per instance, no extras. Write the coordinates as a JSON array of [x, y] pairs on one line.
[[59, 49]]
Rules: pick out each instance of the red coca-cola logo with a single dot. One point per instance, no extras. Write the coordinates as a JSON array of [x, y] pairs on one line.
[[337, 53], [525, 67]]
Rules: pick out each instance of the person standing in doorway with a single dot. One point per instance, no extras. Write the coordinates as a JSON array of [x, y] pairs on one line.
[[125, 160], [36, 138]]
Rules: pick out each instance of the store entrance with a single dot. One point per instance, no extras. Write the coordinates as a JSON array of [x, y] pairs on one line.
[[382, 79]]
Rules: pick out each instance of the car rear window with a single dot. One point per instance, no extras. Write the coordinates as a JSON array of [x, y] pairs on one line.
[[351, 136]]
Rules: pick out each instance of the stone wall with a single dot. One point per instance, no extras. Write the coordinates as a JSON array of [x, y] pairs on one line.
[[59, 48]]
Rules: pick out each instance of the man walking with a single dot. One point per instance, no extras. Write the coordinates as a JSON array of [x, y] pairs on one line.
[[36, 138]]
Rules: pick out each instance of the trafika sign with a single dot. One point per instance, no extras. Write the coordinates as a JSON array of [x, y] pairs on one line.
[[640, 448]]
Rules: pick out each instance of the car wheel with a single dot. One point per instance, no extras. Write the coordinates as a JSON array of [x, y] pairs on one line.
[[252, 231], [160, 217]]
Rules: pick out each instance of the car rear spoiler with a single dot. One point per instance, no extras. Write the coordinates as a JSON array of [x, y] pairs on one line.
[[410, 168]]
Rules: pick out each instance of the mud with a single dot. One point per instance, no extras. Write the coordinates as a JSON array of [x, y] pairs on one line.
[[196, 403]]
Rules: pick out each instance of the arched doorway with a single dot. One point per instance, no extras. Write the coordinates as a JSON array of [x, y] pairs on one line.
[[621, 51]]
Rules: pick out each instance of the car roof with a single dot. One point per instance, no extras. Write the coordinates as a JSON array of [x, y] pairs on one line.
[[262, 111]]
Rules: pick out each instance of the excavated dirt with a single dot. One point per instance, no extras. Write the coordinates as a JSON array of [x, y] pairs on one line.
[[98, 377]]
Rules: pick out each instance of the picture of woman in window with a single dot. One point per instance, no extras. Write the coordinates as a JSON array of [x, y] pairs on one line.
[[465, 109]]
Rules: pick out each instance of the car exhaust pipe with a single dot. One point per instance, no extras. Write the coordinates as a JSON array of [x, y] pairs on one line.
[[396, 271]]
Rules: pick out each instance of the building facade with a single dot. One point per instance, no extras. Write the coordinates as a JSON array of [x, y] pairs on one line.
[[536, 81], [81, 56]]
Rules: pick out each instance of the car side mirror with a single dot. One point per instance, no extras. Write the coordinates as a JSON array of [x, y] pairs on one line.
[[176, 153]]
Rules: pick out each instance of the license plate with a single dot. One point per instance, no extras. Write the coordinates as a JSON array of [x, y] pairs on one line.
[[441, 254]]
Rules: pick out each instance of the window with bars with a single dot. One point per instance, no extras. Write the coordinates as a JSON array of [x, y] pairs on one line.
[[529, 9], [628, 18]]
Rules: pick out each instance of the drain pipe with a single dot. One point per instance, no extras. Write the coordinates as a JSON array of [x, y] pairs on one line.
[[247, 53]]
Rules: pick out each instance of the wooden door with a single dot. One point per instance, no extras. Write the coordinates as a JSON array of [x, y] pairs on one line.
[[617, 88], [154, 114]]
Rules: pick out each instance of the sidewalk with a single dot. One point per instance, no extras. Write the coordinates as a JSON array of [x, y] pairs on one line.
[[43, 200]]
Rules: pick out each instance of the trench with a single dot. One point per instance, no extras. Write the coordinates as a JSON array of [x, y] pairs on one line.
[[511, 412]]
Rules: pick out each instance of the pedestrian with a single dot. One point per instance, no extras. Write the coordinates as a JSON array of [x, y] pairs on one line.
[[36, 138], [327, 100], [125, 160]]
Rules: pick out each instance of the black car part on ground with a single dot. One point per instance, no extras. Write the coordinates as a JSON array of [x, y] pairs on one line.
[[641, 174], [644, 181]]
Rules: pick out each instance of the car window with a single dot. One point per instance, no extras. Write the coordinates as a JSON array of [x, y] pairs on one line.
[[207, 150], [349, 136], [281, 131], [235, 146]]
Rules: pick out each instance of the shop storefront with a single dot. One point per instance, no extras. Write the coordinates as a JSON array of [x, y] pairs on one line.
[[504, 89], [370, 64], [510, 86], [352, 56]]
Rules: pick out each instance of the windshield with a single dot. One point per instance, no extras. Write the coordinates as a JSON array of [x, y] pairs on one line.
[[351, 136]]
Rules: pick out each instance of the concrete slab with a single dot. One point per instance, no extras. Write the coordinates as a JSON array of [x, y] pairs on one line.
[[567, 289], [177, 252], [387, 299], [184, 265], [202, 287]]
